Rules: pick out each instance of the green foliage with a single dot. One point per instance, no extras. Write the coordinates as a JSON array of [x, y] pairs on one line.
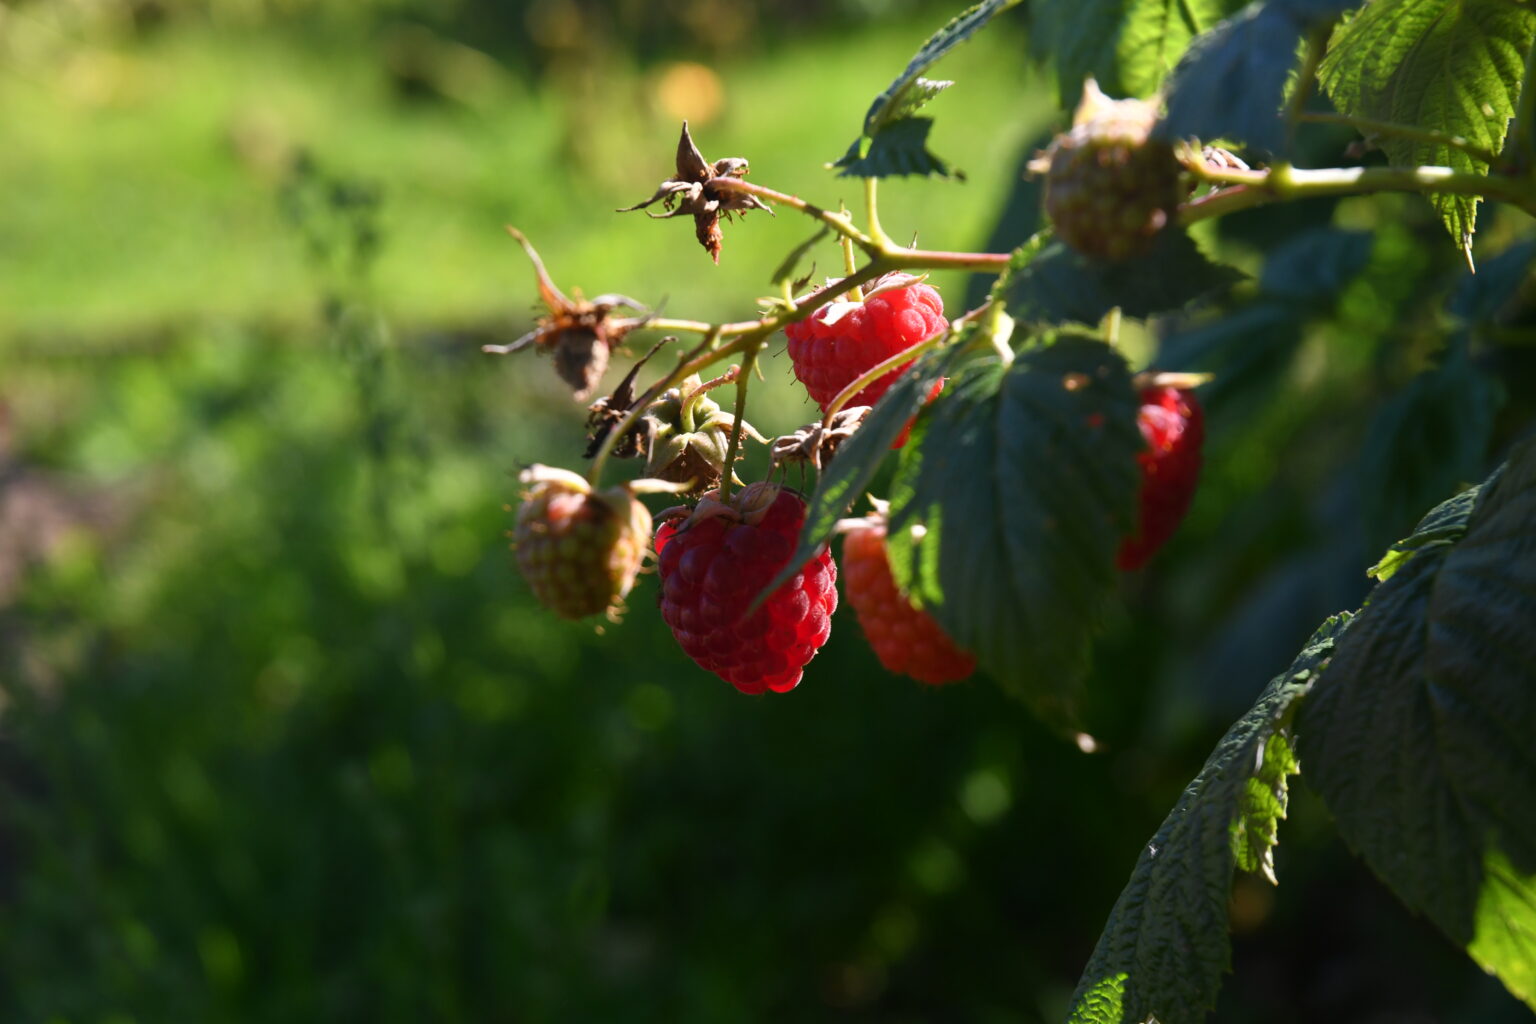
[[1314, 266], [1454, 66], [1480, 298], [1129, 46], [1165, 944], [893, 141], [1024, 479], [1427, 439], [1252, 343], [1230, 83], [1418, 735], [1062, 284], [1441, 526]]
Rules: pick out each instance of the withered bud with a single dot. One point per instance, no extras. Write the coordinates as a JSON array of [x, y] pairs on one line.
[[811, 444], [578, 333], [605, 414], [689, 191]]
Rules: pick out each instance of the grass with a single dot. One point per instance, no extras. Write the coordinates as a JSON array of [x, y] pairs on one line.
[[139, 184]]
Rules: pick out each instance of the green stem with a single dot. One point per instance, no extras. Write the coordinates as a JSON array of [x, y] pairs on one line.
[[928, 259], [850, 266], [872, 214], [841, 223], [662, 323], [1112, 328], [881, 248], [1317, 45], [748, 362], [1368, 127], [1285, 183], [874, 373]]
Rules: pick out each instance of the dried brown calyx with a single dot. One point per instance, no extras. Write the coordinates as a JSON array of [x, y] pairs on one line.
[[579, 334], [688, 192], [811, 444], [605, 414]]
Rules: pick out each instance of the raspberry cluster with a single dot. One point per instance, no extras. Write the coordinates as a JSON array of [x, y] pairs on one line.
[[1173, 427], [842, 340], [713, 565], [905, 638]]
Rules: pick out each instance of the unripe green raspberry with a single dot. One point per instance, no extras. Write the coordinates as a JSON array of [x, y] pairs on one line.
[[1109, 186], [578, 549]]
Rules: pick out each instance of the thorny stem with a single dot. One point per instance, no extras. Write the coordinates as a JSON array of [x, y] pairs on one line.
[[841, 223], [1367, 126]]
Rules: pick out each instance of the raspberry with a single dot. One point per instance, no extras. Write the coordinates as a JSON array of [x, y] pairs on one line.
[[579, 550], [904, 637], [1110, 187], [714, 564], [842, 340], [1173, 427]]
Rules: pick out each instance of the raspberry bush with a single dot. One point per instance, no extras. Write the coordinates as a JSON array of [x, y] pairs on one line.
[[1057, 435]]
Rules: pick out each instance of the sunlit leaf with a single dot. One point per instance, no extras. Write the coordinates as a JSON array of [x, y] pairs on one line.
[[1450, 65]]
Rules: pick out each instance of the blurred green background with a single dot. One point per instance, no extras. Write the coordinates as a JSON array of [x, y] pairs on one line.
[[285, 737]]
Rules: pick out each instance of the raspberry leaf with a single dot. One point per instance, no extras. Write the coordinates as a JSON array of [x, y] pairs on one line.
[[1063, 285], [1229, 84], [1129, 46], [1427, 439], [895, 142], [1165, 946], [1450, 65], [848, 477], [1023, 479], [1418, 735], [1315, 265], [901, 147]]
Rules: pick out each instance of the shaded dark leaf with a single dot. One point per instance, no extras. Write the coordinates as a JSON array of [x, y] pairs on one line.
[[1064, 285]]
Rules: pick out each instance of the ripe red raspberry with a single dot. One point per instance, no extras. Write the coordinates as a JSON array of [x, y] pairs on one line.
[[579, 550], [1173, 427], [905, 638], [840, 341], [712, 566]]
